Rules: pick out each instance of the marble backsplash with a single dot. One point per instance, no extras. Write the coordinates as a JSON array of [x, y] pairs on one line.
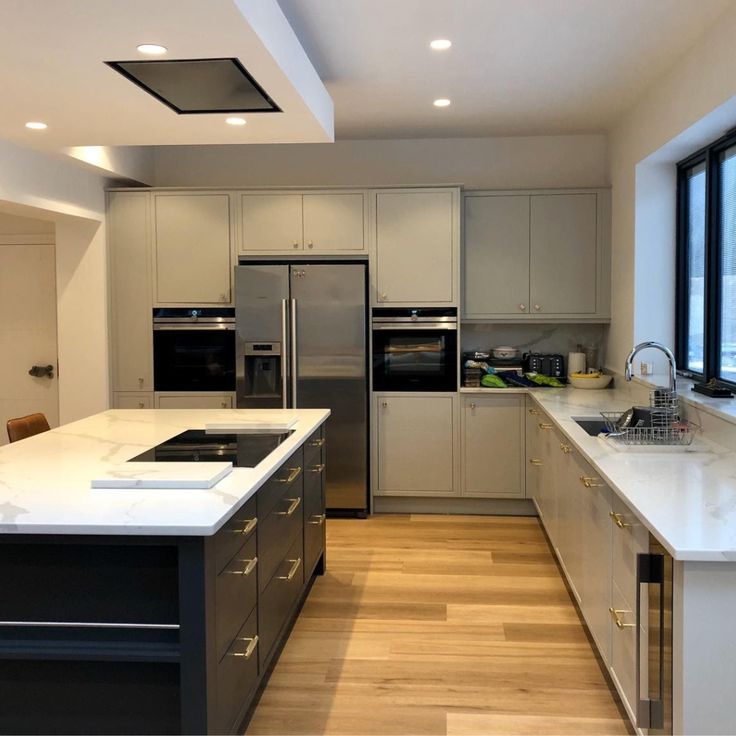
[[540, 338]]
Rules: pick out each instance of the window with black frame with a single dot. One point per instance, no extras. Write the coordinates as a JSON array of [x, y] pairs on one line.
[[706, 263]]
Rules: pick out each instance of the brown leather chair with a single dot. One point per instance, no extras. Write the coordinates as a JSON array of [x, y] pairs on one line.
[[22, 427]]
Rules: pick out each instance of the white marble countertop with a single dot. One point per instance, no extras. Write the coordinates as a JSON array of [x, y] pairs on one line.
[[45, 480], [687, 499]]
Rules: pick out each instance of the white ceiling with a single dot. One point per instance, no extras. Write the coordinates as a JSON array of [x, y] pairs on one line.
[[516, 66], [52, 70]]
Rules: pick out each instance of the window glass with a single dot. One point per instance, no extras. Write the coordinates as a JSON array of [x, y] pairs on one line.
[[727, 249], [695, 233]]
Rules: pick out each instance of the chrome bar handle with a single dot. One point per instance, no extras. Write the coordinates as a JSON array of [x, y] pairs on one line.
[[247, 570], [293, 356], [293, 475], [294, 567], [292, 506], [317, 519], [317, 468], [248, 653], [250, 525], [284, 342]]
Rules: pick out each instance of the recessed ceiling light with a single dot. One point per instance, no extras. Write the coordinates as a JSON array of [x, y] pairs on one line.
[[441, 102], [440, 44], [235, 121], [36, 125], [152, 49]]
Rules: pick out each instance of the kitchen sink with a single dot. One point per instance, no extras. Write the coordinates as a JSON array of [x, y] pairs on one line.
[[592, 425]]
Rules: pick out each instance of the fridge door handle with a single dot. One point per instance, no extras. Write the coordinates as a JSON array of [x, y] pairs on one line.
[[650, 710], [293, 355], [284, 355]]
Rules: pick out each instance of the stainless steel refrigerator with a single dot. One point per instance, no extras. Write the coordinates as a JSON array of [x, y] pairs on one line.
[[301, 342]]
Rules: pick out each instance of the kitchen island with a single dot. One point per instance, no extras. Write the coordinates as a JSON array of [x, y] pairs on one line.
[[150, 610]]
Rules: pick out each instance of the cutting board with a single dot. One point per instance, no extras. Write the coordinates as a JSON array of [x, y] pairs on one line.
[[163, 475]]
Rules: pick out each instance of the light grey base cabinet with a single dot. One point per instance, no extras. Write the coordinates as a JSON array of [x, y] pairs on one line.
[[415, 443], [537, 255], [194, 400], [596, 539], [492, 442], [132, 400]]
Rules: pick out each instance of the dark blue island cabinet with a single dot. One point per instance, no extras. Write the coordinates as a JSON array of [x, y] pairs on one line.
[[157, 634]]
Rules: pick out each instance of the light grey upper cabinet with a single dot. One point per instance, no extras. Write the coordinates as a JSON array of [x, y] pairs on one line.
[[334, 222], [128, 234], [192, 248], [313, 222], [563, 254], [537, 255], [416, 247], [271, 222], [496, 256]]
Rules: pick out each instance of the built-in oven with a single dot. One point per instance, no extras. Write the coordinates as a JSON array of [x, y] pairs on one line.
[[414, 349], [194, 349]]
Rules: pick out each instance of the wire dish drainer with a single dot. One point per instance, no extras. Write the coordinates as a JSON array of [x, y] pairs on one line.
[[665, 426]]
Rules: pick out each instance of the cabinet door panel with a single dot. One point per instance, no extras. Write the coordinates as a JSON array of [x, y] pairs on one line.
[[128, 226], [192, 248], [563, 254], [272, 222], [493, 442], [130, 400], [414, 247], [496, 263], [333, 222], [194, 401], [415, 445]]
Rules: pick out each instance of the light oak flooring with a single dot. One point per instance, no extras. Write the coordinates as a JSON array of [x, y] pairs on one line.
[[447, 625]]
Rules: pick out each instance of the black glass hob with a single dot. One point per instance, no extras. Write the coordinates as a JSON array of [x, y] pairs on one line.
[[244, 450]]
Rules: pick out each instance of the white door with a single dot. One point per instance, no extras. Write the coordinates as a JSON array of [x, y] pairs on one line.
[[272, 222], [27, 333], [334, 222]]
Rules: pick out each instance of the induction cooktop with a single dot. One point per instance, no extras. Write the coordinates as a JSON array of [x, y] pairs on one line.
[[242, 449]]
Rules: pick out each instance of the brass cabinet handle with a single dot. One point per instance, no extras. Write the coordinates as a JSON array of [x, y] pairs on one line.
[[618, 520], [472, 405], [310, 244], [292, 506], [317, 468], [293, 475], [294, 567], [295, 244], [589, 482], [534, 461], [522, 307], [545, 425], [316, 443], [534, 412], [565, 448], [616, 616], [537, 307], [317, 519], [250, 525], [141, 405], [250, 565], [248, 653]]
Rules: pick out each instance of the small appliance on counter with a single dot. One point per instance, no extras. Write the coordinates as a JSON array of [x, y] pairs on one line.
[[548, 364]]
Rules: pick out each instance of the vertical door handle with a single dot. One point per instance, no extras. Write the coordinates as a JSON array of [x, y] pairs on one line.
[[284, 355], [650, 570], [293, 356]]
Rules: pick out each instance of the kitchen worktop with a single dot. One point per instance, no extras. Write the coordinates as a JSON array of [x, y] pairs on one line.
[[45, 480], [686, 498]]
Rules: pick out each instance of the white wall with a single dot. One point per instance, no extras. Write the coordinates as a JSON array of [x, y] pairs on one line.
[[689, 106], [494, 163], [54, 188]]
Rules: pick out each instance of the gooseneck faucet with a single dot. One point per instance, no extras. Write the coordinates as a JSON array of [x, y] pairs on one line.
[[658, 346]]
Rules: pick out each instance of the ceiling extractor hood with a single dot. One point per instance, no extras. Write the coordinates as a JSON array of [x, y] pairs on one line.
[[198, 86]]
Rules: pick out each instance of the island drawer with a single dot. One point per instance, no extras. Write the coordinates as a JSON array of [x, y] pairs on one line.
[[278, 599], [288, 475], [237, 675], [236, 590], [239, 527], [314, 447], [278, 530]]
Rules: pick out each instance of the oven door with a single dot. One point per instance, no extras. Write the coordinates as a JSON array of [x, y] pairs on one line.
[[414, 358], [193, 358]]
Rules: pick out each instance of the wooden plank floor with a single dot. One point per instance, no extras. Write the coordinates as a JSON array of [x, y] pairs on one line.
[[447, 625]]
